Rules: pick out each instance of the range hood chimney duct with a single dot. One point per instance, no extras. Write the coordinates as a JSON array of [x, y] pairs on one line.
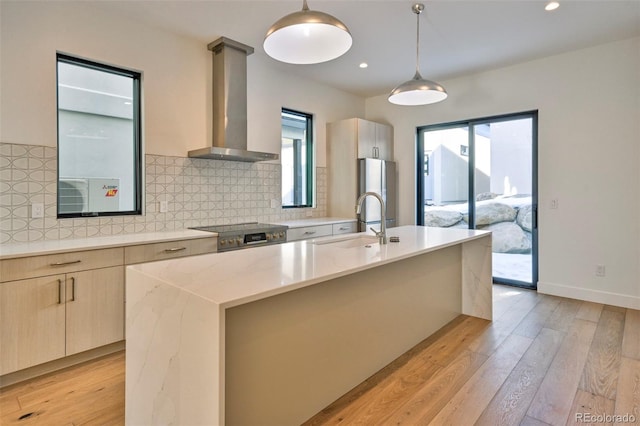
[[230, 105]]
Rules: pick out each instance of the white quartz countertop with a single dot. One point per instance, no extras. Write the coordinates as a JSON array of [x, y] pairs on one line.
[[8, 251], [316, 221], [238, 277]]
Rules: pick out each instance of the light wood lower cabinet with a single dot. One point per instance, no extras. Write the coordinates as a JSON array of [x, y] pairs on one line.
[[169, 250], [46, 318], [75, 303], [304, 233], [57, 305], [32, 322], [345, 228], [307, 232], [61, 263], [94, 308]]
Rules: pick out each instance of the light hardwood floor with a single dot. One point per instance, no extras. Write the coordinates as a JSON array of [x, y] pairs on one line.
[[91, 393], [543, 361]]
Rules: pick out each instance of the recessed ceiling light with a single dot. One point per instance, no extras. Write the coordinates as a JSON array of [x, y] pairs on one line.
[[552, 5], [363, 65]]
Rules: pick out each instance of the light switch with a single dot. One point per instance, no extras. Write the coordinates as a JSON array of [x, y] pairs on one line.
[[164, 206]]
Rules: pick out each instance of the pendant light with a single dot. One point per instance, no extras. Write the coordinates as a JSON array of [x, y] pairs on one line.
[[417, 91], [307, 37]]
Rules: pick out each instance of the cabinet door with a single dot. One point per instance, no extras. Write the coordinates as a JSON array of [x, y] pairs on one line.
[[95, 308], [384, 141], [31, 322], [366, 139]]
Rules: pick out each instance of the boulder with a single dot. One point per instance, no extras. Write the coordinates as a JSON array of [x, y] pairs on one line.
[[462, 225], [485, 196], [508, 237], [487, 214], [441, 218], [525, 218]]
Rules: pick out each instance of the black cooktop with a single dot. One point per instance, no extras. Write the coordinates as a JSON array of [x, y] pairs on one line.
[[242, 228]]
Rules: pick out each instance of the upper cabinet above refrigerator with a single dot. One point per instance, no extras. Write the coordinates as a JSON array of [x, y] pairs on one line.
[[347, 141], [361, 138], [375, 140]]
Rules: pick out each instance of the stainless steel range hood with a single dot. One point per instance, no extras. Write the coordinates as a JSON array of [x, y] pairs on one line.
[[230, 105]]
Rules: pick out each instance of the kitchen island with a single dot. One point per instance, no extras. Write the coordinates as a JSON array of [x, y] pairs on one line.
[[274, 334]]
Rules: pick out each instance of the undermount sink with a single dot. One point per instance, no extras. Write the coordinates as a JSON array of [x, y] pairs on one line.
[[351, 241]]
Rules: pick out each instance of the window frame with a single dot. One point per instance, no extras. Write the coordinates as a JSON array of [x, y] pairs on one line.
[[297, 160], [136, 77]]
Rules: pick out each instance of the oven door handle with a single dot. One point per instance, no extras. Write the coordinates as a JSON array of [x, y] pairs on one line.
[[249, 243]]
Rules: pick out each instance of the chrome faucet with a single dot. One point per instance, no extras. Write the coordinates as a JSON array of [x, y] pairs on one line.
[[382, 235]]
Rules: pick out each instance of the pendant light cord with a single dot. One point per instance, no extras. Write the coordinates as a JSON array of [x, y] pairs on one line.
[[417, 43], [417, 9]]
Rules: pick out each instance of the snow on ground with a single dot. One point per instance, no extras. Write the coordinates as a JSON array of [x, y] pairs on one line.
[[512, 266]]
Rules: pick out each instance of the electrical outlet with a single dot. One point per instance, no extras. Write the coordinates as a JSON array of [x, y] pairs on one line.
[[309, 213], [37, 210], [164, 206], [274, 203], [554, 203], [600, 271]]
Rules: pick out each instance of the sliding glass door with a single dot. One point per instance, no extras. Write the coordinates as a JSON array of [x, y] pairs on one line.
[[481, 174]]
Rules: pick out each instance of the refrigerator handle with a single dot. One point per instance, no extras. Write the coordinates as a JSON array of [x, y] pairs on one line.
[[383, 178]]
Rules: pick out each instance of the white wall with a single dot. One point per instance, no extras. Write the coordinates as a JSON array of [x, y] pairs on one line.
[[176, 79], [450, 171], [589, 128], [510, 150]]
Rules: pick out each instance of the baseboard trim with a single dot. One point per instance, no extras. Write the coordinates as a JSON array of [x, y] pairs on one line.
[[597, 296], [58, 364]]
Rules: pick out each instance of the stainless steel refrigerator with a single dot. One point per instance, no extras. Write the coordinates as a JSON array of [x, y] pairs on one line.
[[375, 175]]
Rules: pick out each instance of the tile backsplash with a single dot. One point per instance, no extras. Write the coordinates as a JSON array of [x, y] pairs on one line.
[[198, 192]]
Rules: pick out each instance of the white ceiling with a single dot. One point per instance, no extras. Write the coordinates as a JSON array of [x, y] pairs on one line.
[[457, 37]]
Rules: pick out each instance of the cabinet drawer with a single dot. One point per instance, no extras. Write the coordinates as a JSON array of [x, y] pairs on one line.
[[344, 228], [306, 232], [169, 250], [203, 246], [40, 266]]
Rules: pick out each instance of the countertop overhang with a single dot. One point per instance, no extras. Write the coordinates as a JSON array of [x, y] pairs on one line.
[[238, 277]]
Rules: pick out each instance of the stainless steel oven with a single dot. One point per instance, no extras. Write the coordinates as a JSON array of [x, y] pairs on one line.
[[245, 235]]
